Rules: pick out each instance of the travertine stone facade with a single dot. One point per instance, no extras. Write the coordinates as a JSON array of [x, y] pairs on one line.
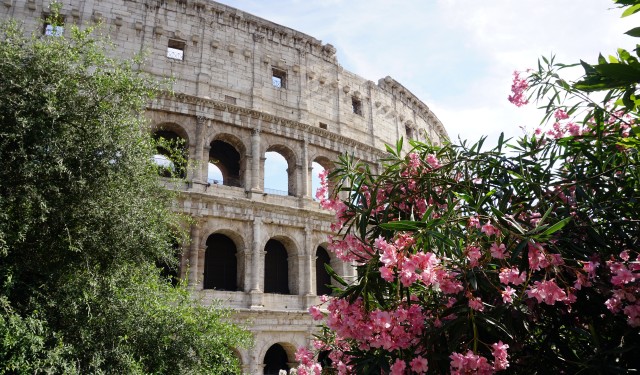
[[245, 86]]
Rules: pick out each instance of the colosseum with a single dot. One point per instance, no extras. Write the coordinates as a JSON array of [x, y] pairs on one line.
[[248, 92]]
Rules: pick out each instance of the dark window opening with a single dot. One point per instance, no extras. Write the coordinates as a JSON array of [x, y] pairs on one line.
[[230, 99], [323, 280], [276, 268], [409, 131], [220, 263], [171, 154], [323, 125], [227, 159], [357, 105], [279, 78], [275, 359], [175, 49]]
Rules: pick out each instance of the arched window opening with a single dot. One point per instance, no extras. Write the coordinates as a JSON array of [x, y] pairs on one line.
[[220, 263], [227, 159], [275, 359], [409, 131], [276, 268], [316, 169], [214, 175], [171, 154], [323, 280], [276, 174]]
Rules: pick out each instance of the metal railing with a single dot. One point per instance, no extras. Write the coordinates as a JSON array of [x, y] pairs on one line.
[[275, 192]]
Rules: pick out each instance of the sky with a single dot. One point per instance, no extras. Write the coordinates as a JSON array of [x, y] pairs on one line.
[[457, 56]]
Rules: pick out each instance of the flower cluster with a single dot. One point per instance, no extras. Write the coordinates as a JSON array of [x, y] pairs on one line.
[[625, 295], [456, 248], [518, 89]]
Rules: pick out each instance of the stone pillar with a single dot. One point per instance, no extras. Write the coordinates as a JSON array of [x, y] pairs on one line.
[[305, 185], [257, 261], [310, 257], [198, 159], [255, 160], [256, 257], [204, 168], [194, 281]]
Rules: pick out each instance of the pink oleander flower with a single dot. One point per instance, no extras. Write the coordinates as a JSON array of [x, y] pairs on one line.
[[500, 356], [633, 314], [476, 304], [537, 256], [315, 313], [469, 364], [398, 367], [474, 222], [473, 254], [507, 294], [574, 129], [387, 274], [590, 268], [497, 251], [419, 365], [547, 291], [489, 229], [307, 366], [433, 161], [560, 114], [512, 276], [622, 276], [624, 255], [518, 88]]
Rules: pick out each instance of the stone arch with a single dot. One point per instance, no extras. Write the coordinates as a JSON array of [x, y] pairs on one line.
[[172, 151], [318, 164], [224, 263], [281, 266], [279, 356], [174, 128], [291, 171], [228, 153]]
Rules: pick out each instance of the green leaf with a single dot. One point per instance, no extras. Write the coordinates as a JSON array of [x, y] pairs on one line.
[[631, 10], [556, 227], [620, 72], [334, 275], [404, 225]]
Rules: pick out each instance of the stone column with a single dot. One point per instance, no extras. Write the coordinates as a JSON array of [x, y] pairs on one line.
[[198, 159], [310, 258], [204, 168], [257, 262], [194, 255], [305, 185], [256, 257], [255, 160]]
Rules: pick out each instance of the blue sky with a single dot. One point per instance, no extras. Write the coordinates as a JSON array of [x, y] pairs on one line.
[[456, 55]]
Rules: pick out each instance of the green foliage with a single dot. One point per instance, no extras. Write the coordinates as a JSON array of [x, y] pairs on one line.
[[570, 193], [83, 221]]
